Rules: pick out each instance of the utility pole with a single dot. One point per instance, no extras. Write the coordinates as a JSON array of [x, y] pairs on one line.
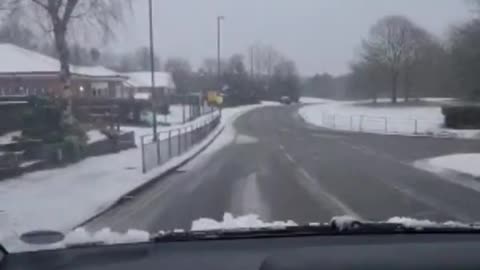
[[252, 58], [153, 97], [219, 67]]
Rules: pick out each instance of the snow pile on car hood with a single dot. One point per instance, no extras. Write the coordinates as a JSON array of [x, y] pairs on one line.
[[343, 222], [105, 236], [242, 222], [78, 237], [416, 223]]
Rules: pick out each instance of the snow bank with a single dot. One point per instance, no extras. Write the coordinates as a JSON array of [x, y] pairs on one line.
[[461, 163], [403, 120], [242, 222], [62, 198]]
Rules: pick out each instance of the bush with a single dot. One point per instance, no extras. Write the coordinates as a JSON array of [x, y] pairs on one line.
[[462, 116], [74, 148]]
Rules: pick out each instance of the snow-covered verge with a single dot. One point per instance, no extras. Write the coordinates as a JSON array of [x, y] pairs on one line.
[[60, 199], [418, 120], [467, 164]]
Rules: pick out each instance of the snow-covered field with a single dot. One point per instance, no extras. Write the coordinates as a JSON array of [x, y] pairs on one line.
[[60, 199], [405, 120], [313, 100]]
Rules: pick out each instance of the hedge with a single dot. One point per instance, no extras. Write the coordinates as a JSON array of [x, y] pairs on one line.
[[462, 116]]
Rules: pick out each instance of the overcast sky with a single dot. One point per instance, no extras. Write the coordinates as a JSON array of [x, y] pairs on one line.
[[319, 35]]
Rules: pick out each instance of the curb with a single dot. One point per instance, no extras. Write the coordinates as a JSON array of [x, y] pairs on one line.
[[151, 182]]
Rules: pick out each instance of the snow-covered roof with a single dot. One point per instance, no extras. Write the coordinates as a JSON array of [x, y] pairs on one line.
[[18, 60], [143, 79], [142, 96], [94, 71]]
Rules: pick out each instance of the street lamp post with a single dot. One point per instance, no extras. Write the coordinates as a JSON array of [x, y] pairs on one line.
[[219, 67], [152, 65]]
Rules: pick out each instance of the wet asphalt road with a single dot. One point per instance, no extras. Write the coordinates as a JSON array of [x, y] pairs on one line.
[[281, 168]]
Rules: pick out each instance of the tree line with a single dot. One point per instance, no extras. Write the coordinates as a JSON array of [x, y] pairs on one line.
[[400, 59]]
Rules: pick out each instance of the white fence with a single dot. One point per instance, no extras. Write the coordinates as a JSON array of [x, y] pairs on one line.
[[384, 125]]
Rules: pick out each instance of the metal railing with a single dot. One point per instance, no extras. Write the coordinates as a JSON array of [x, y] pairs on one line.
[[174, 142], [382, 124]]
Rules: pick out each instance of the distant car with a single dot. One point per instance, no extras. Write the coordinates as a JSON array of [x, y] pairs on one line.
[[286, 100]]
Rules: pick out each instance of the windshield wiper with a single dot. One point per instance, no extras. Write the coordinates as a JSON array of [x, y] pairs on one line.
[[333, 228]]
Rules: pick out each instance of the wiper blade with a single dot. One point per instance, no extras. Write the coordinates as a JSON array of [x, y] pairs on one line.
[[332, 228]]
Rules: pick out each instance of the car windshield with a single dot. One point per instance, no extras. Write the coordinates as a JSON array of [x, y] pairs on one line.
[[124, 119]]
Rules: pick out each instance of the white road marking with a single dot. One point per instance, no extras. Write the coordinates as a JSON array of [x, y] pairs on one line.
[[316, 190], [245, 139], [290, 158], [247, 198], [327, 136], [427, 200], [312, 186]]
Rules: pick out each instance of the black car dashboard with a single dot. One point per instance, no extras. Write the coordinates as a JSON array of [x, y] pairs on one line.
[[396, 251]]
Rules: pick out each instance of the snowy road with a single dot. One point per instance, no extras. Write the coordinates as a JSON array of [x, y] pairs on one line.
[[280, 168]]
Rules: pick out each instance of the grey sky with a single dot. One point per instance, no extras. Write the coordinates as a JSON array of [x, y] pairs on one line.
[[320, 35]]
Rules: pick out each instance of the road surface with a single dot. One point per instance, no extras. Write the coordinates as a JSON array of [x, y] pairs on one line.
[[281, 168]]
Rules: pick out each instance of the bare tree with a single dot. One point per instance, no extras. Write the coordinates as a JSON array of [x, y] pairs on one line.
[[286, 80], [60, 18], [392, 41], [13, 32], [142, 60], [465, 52], [418, 58], [181, 71], [263, 58]]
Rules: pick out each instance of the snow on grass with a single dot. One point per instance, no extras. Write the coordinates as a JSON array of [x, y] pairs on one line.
[[313, 100], [176, 114], [230, 222], [415, 119], [60, 199], [461, 163], [95, 135], [271, 103], [163, 131]]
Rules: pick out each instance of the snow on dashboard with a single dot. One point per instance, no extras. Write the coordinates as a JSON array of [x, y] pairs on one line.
[[230, 222]]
